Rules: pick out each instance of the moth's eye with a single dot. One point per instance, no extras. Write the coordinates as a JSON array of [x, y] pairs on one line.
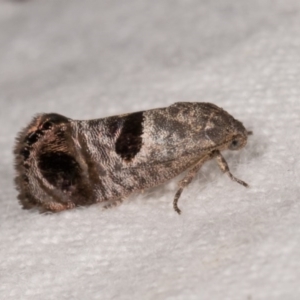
[[236, 143]]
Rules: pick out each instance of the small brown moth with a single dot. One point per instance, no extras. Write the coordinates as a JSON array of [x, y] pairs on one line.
[[62, 163]]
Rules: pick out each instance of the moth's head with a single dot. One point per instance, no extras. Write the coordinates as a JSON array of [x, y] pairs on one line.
[[224, 131], [237, 135], [48, 174]]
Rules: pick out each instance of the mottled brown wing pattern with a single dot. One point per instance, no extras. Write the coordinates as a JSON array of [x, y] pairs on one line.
[[63, 163]]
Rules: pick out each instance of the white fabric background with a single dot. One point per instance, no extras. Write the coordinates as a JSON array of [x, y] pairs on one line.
[[91, 59]]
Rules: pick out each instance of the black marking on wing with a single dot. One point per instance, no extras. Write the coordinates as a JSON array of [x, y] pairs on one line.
[[59, 169], [47, 122], [129, 142]]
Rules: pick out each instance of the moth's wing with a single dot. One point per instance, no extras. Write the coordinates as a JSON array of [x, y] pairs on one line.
[[152, 147]]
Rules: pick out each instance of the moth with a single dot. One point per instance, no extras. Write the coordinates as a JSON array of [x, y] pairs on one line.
[[63, 163]]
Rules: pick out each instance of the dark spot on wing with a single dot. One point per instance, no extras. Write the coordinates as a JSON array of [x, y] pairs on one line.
[[25, 153], [129, 142], [46, 123], [59, 169], [33, 137]]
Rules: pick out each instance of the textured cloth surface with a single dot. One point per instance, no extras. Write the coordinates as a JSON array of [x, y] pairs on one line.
[[91, 59]]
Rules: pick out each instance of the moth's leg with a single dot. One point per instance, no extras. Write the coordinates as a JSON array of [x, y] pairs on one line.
[[186, 181], [114, 203], [225, 169]]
